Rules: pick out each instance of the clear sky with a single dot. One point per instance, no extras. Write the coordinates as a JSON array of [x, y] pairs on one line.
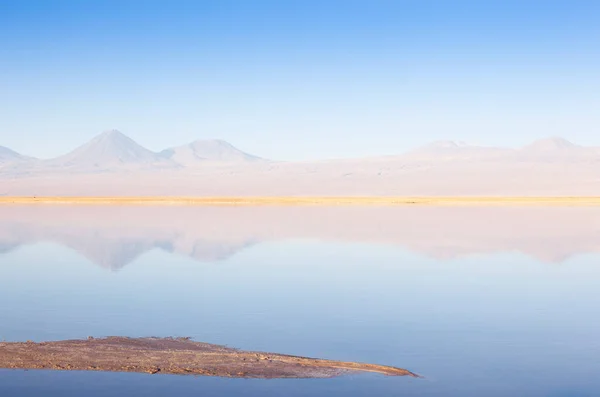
[[298, 79]]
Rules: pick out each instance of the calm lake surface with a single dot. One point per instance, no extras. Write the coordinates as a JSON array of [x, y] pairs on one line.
[[480, 301]]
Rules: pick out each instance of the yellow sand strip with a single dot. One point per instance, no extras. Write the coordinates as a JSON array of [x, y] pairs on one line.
[[249, 201]]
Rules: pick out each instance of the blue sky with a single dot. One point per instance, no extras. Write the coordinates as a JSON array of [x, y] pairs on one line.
[[298, 79]]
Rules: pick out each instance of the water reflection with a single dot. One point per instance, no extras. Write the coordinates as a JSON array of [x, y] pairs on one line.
[[113, 237], [349, 283]]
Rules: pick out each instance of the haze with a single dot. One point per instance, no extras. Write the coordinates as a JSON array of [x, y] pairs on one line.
[[112, 164]]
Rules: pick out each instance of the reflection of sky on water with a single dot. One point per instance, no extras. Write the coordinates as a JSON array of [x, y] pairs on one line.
[[492, 324]]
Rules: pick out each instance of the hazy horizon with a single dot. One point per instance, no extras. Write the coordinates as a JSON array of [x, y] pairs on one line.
[[558, 142], [115, 165]]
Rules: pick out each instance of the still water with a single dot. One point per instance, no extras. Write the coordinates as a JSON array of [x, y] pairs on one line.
[[480, 301]]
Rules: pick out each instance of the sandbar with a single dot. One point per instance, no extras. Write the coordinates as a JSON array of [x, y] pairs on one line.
[[180, 356]]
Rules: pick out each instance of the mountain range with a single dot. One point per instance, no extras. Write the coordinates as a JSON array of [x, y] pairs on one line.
[[114, 164], [114, 151]]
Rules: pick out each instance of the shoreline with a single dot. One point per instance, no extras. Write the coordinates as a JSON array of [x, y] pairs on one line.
[[308, 201]]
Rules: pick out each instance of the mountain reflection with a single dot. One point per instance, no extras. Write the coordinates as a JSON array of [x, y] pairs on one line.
[[114, 236]]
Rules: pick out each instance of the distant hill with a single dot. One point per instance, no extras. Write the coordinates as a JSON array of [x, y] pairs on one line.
[[114, 151], [8, 156], [202, 152], [452, 150], [556, 149], [551, 144], [109, 150], [548, 150]]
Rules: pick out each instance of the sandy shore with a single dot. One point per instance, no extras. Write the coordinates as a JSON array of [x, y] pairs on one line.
[[250, 201], [179, 356]]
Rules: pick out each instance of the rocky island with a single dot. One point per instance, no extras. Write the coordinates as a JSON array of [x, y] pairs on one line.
[[180, 356]]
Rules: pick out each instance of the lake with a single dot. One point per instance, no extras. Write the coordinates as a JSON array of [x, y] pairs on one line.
[[479, 301]]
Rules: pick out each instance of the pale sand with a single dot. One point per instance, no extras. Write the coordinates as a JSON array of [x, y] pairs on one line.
[[250, 201]]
